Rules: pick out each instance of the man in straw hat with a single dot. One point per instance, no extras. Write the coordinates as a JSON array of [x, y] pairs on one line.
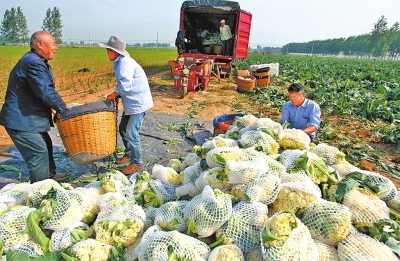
[[27, 111], [226, 38], [133, 88]]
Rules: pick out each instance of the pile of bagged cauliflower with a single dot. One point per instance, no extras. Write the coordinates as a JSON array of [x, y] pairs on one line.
[[257, 192]]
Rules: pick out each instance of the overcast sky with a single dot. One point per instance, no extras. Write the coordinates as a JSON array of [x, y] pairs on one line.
[[275, 23]]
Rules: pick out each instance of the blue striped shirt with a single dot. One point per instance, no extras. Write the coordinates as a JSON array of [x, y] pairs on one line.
[[133, 86]]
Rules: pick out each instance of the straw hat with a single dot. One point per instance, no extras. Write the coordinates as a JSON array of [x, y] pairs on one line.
[[117, 44]]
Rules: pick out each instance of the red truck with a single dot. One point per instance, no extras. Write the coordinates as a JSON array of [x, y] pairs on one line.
[[199, 44]]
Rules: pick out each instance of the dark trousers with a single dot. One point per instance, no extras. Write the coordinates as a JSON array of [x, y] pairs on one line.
[[37, 151], [226, 47]]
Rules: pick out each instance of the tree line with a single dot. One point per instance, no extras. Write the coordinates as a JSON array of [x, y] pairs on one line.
[[15, 27], [381, 41]]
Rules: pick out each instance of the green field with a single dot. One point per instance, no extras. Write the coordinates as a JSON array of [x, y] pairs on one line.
[[69, 60]]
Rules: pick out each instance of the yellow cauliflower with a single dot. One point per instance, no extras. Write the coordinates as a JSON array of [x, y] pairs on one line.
[[295, 196], [295, 139], [278, 229]]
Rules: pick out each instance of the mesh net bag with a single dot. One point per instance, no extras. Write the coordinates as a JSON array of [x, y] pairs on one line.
[[360, 247], [13, 194], [201, 181], [164, 192], [114, 181], [91, 249], [226, 252], [365, 207], [288, 158], [31, 248], [12, 225], [232, 132], [189, 160], [108, 231], [268, 124], [90, 196], [129, 252], [326, 252], [70, 208], [190, 174], [264, 189], [160, 243], [260, 140], [245, 120], [250, 154], [223, 142], [295, 139], [332, 154], [327, 221], [140, 184], [275, 167], [167, 175], [296, 245], [61, 239], [209, 211], [300, 176], [243, 131], [170, 216], [244, 226], [109, 200], [217, 178], [228, 153], [380, 180], [37, 190], [150, 216], [242, 172], [344, 169], [394, 203], [294, 196], [175, 164], [3, 208], [187, 190], [254, 255]]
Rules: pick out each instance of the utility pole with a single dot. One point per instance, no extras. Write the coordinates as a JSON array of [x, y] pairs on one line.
[[287, 49], [312, 48]]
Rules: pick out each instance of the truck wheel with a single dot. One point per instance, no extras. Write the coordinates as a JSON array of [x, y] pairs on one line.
[[183, 91]]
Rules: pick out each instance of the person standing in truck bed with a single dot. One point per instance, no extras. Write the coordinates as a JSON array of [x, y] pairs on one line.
[[226, 38]]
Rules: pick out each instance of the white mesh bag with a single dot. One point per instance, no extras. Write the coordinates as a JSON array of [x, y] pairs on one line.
[[269, 124], [36, 191], [167, 175], [217, 178], [165, 192], [159, 244], [110, 234], [13, 223], [264, 189], [208, 211], [275, 167], [300, 176], [90, 196], [326, 252], [31, 248], [232, 133], [294, 196], [129, 252], [190, 174], [223, 142], [254, 255], [61, 239], [201, 181], [332, 154], [140, 184], [327, 221], [295, 139], [70, 208], [360, 247], [250, 154], [175, 164], [187, 190], [91, 249], [244, 226], [170, 216], [366, 208], [150, 216], [225, 253], [296, 245], [228, 153], [190, 159], [242, 172], [244, 121], [260, 140], [14, 194], [380, 180], [3, 208], [114, 181], [110, 200], [344, 169], [288, 158]]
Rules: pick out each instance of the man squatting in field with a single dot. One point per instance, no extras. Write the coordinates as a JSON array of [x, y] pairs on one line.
[[27, 111], [300, 112], [133, 87]]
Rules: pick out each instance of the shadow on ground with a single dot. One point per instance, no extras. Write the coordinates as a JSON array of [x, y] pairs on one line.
[[163, 137]]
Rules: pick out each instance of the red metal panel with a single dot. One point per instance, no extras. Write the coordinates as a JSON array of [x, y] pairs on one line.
[[242, 34]]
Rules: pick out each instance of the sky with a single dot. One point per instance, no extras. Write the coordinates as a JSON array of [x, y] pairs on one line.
[[274, 23]]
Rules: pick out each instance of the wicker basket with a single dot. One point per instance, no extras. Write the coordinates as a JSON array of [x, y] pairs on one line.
[[246, 83], [262, 78], [88, 132]]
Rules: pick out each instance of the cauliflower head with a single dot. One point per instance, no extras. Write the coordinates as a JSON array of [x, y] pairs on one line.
[[294, 198]]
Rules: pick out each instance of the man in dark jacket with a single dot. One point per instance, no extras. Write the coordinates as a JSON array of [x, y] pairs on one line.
[[27, 111]]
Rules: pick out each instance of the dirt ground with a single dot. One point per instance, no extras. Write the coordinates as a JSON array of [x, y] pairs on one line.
[[219, 98]]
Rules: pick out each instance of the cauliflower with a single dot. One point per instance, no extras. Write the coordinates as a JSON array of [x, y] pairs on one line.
[[114, 181], [344, 169], [3, 208], [332, 154], [254, 255], [170, 216], [295, 139], [91, 194], [326, 252], [246, 120], [226, 253], [269, 126], [189, 160], [92, 250], [14, 194], [296, 196], [167, 175], [260, 140], [175, 164], [278, 229], [217, 178], [219, 156], [275, 167], [327, 221]]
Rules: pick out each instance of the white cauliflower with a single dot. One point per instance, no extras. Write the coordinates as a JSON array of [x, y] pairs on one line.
[[226, 253], [92, 250]]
